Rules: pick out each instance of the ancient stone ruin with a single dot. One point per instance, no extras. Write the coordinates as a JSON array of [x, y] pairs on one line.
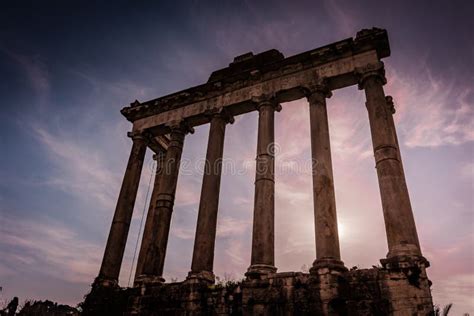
[[261, 83]]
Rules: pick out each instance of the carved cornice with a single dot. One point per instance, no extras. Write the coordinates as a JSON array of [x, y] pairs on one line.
[[376, 70], [250, 69]]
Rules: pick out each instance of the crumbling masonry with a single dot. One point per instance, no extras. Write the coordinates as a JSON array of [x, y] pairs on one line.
[[260, 83]]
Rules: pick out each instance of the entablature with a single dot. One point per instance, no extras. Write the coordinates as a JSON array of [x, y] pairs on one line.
[[267, 73]]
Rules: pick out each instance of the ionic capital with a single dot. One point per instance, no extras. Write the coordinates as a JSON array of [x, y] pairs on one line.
[[319, 87], [180, 126], [139, 136], [390, 104], [178, 129], [374, 70], [265, 100], [221, 113]]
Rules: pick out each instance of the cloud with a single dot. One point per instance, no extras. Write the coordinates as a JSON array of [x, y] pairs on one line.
[[118, 87], [432, 111], [345, 22], [228, 227], [187, 194], [236, 254], [83, 171], [183, 233], [47, 247], [89, 167], [456, 289], [35, 70]]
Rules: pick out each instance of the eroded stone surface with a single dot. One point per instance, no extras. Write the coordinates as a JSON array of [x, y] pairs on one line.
[[376, 291]]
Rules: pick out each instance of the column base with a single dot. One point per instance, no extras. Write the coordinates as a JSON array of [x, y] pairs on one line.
[[327, 263], [259, 271], [105, 283], [404, 262], [201, 277], [148, 280]]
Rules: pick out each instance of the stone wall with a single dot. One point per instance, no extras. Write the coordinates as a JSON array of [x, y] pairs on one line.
[[376, 291]]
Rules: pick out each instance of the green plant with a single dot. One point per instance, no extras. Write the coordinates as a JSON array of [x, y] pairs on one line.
[[444, 312]]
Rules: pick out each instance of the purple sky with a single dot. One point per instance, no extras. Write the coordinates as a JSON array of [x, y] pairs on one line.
[[68, 68]]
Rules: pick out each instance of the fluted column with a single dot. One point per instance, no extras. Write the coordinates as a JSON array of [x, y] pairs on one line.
[[153, 263], [399, 221], [113, 255], [203, 254], [263, 253], [327, 238], [147, 239]]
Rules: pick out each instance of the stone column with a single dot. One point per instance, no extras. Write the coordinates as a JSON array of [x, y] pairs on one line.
[[153, 263], [113, 255], [391, 109], [147, 239], [203, 254], [327, 238], [399, 221], [263, 253]]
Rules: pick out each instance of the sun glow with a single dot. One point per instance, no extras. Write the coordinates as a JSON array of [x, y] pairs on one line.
[[341, 228]]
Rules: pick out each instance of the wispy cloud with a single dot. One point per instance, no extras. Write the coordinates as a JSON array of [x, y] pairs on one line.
[[453, 278], [83, 171], [120, 87], [456, 289], [47, 247], [344, 19], [238, 254], [432, 111], [35, 70], [183, 233], [228, 227]]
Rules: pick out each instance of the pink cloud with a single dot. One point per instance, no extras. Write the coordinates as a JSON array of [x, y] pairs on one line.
[[345, 21], [228, 226], [431, 111], [35, 244]]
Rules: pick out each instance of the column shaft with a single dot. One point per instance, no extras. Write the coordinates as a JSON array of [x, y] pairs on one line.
[[203, 254], [263, 253], [399, 221], [153, 263], [147, 239], [327, 238], [113, 255], [391, 109]]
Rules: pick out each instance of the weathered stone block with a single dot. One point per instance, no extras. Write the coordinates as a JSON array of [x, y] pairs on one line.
[[376, 291]]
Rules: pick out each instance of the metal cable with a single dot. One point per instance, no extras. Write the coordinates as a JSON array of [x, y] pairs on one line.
[[141, 223]]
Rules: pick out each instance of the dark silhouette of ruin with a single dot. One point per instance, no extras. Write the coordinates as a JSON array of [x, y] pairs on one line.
[[261, 83]]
